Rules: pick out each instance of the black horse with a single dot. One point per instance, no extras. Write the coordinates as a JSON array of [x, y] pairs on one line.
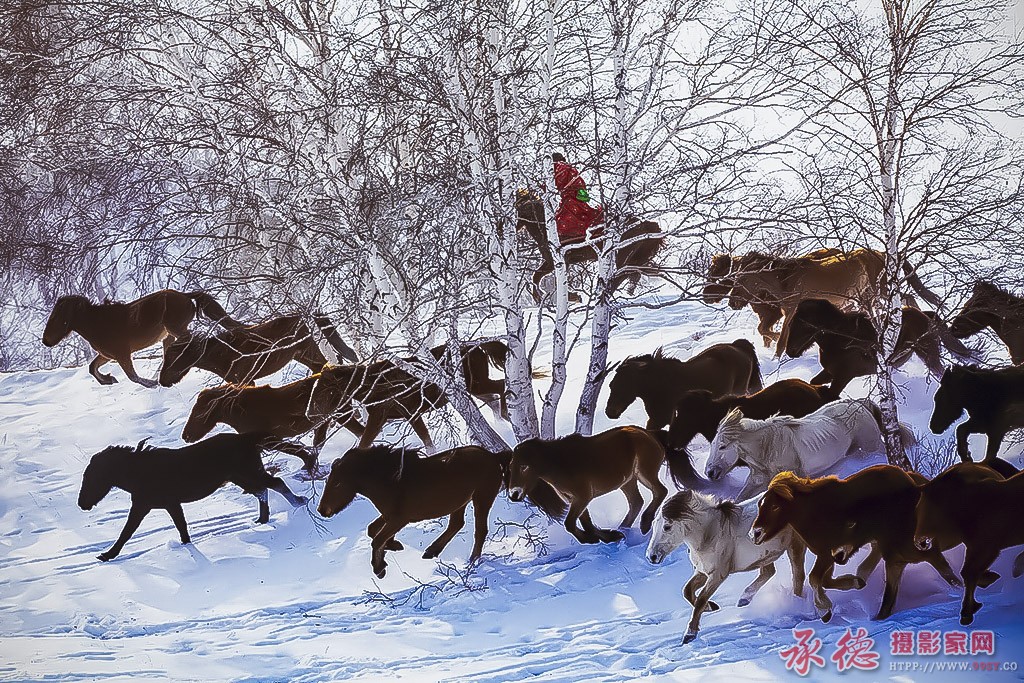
[[993, 399], [165, 478]]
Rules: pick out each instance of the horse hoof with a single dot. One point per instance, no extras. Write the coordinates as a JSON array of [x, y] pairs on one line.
[[260, 520], [105, 557], [860, 583], [689, 638], [827, 616], [956, 583], [966, 619], [394, 545], [430, 554], [743, 602], [380, 572], [614, 537]]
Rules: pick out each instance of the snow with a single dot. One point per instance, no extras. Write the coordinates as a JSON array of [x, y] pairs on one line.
[[296, 600]]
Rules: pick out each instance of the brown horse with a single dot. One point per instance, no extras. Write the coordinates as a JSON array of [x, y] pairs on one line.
[[848, 341], [242, 355], [581, 468], [116, 331], [660, 381], [406, 487], [700, 412], [836, 516], [164, 478], [777, 285], [631, 261], [972, 504], [992, 307]]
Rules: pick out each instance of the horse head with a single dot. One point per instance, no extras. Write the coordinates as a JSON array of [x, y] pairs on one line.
[[63, 318], [625, 385], [773, 510], [977, 313], [718, 284], [803, 328], [949, 400], [180, 356], [339, 491], [726, 448], [683, 519], [524, 470], [204, 416], [101, 474]]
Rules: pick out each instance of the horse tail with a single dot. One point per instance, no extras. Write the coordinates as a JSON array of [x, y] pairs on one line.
[[209, 307], [756, 383], [680, 463], [915, 281], [542, 494], [330, 333]]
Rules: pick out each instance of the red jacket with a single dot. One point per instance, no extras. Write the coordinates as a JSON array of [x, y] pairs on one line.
[[574, 217], [568, 180]]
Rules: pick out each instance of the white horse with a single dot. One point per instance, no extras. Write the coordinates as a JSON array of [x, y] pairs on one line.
[[807, 446], [716, 533]]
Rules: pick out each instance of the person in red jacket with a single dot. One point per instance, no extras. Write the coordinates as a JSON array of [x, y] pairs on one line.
[[574, 215]]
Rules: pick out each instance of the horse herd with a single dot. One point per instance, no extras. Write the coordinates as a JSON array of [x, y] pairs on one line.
[[787, 435]]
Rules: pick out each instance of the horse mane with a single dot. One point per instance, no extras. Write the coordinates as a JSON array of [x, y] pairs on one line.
[[730, 509], [730, 424], [658, 354], [786, 484]]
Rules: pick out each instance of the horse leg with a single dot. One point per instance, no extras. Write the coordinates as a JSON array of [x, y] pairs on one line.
[[823, 377], [797, 551], [578, 507], [690, 589], [379, 544], [820, 573], [766, 573], [699, 605], [481, 509], [995, 440], [868, 565], [893, 575], [298, 450], [963, 430], [178, 517], [938, 560], [976, 562], [125, 361], [767, 316], [374, 424], [651, 481], [634, 500], [264, 514], [94, 369], [277, 484], [135, 516], [780, 346], [603, 535], [455, 522], [376, 526], [421, 430]]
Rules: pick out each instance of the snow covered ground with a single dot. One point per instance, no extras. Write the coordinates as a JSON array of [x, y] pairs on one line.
[[295, 599]]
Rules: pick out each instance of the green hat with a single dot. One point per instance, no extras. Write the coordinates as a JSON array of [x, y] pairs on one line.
[[583, 195]]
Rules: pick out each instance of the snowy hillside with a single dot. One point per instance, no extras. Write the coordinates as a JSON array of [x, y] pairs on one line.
[[295, 599]]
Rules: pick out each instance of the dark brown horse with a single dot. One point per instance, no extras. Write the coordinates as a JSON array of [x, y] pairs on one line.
[[631, 261], [836, 516], [848, 341], [242, 355], [164, 478], [406, 487], [974, 505], [116, 331], [581, 468], [700, 412], [992, 307], [660, 381], [993, 399]]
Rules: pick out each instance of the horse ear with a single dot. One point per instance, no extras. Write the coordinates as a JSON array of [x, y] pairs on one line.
[[608, 370], [142, 444]]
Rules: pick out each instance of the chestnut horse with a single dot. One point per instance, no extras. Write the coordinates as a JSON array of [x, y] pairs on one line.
[[116, 330], [992, 307], [779, 284], [972, 504], [164, 478], [242, 355], [848, 341], [631, 261], [660, 381], [993, 399], [836, 516], [700, 412], [581, 468], [406, 487]]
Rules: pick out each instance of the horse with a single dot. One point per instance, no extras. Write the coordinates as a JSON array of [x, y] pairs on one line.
[[700, 412], [807, 446], [164, 478], [993, 399], [715, 532], [836, 516], [972, 504], [117, 330], [779, 284], [990, 306], [242, 355], [406, 487], [581, 468], [660, 381], [848, 342], [631, 261]]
